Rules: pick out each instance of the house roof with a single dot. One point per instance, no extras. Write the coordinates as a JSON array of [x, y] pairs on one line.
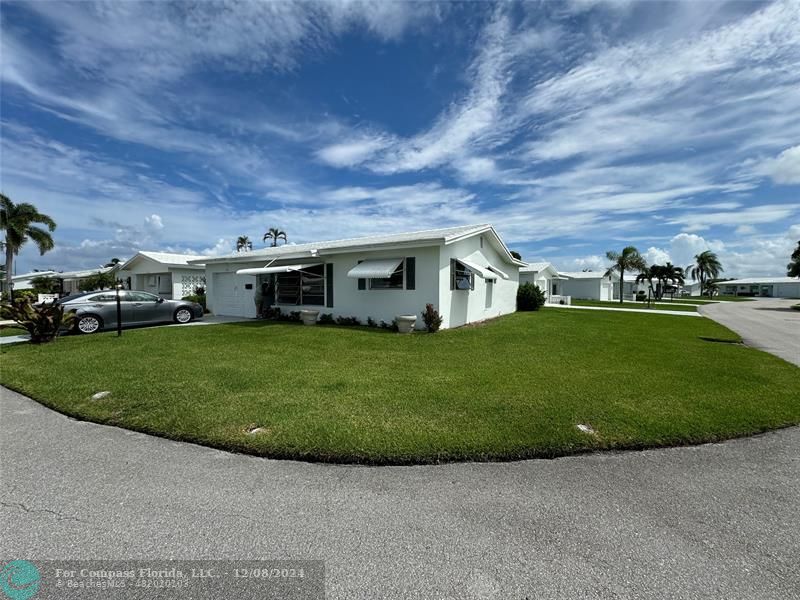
[[585, 274], [84, 273], [167, 259], [446, 236], [32, 274], [755, 280], [535, 267]]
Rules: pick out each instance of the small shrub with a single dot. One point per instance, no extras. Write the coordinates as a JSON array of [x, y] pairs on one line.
[[529, 297], [431, 318], [371, 322], [43, 322], [292, 317], [389, 326], [200, 290], [199, 298], [326, 319], [21, 295], [562, 302], [641, 296], [348, 321], [275, 314]]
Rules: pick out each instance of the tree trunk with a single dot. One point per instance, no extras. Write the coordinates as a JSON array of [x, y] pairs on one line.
[[621, 285], [9, 265]]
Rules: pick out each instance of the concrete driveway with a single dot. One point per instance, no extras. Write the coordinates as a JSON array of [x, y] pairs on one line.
[[715, 521], [769, 324]]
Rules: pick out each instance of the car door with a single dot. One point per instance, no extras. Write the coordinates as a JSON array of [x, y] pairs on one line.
[[143, 307], [103, 305]]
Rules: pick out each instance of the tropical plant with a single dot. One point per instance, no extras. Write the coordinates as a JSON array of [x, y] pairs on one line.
[[98, 281], [515, 254], [669, 273], [43, 322], [243, 243], [529, 297], [627, 260], [705, 268], [113, 262], [793, 268], [19, 223], [431, 318], [46, 285], [274, 234], [645, 275]]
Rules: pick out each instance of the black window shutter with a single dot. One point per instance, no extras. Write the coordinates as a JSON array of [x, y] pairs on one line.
[[329, 284], [411, 283], [362, 283]]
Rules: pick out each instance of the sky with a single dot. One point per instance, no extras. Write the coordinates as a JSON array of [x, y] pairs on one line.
[[573, 127]]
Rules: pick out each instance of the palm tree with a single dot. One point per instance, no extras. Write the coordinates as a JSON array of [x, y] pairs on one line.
[[113, 262], [793, 268], [647, 274], [275, 234], [17, 220], [705, 268], [673, 274], [628, 260], [243, 243]]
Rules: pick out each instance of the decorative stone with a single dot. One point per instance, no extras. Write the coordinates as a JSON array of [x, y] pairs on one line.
[[586, 429], [405, 323], [101, 395]]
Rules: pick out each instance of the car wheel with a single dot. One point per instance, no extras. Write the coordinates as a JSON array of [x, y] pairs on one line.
[[183, 315], [89, 324]]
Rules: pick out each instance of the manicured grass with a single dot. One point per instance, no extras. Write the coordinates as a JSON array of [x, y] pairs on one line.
[[733, 298], [631, 305], [8, 331], [512, 388]]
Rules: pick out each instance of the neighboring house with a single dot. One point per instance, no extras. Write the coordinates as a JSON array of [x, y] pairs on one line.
[[23, 281], [545, 276], [70, 280], [164, 274], [467, 273], [590, 285], [769, 287]]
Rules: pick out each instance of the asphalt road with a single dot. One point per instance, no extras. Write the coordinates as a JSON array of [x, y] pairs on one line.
[[769, 324], [715, 521]]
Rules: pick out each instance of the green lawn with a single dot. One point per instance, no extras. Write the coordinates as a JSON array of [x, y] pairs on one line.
[[631, 305], [512, 388], [7, 331]]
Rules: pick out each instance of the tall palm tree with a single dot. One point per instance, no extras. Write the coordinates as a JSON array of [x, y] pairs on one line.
[[628, 260], [793, 268], [243, 243], [671, 273], [706, 267], [17, 220], [275, 234], [647, 274]]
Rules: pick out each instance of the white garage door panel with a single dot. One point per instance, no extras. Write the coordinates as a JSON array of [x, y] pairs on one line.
[[227, 295]]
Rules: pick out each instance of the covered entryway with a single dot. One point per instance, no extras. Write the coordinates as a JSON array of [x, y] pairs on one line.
[[159, 284]]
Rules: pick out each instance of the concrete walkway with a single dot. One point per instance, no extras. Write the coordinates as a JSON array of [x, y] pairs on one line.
[[770, 324], [706, 522], [649, 311]]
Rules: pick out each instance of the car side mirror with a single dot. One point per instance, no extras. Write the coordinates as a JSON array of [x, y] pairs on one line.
[[160, 300]]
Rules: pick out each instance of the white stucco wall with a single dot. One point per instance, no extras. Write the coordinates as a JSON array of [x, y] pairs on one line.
[[541, 278], [588, 289], [487, 300]]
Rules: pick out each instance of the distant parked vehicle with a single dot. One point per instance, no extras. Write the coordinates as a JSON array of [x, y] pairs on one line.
[[97, 311]]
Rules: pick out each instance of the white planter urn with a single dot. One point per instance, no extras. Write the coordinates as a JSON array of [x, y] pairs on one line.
[[309, 317], [405, 323]]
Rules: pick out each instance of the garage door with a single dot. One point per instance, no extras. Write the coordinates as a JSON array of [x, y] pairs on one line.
[[227, 295]]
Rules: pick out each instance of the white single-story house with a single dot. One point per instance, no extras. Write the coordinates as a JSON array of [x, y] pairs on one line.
[[165, 274], [589, 285], [769, 287], [544, 275], [467, 273], [23, 280], [70, 280]]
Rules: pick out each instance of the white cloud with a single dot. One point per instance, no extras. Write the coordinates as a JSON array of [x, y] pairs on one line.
[[783, 169], [754, 215], [351, 153]]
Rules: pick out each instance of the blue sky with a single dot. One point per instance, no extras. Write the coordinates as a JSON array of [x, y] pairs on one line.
[[573, 127]]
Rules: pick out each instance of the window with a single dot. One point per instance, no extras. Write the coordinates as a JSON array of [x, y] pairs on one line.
[[139, 297], [108, 297], [393, 282], [306, 286], [461, 277]]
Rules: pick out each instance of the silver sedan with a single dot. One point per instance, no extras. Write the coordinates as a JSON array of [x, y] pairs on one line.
[[98, 310]]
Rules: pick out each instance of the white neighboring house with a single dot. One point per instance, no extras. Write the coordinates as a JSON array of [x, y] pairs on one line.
[[546, 277], [71, 279], [765, 287], [23, 280], [589, 285], [164, 274], [467, 273]]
